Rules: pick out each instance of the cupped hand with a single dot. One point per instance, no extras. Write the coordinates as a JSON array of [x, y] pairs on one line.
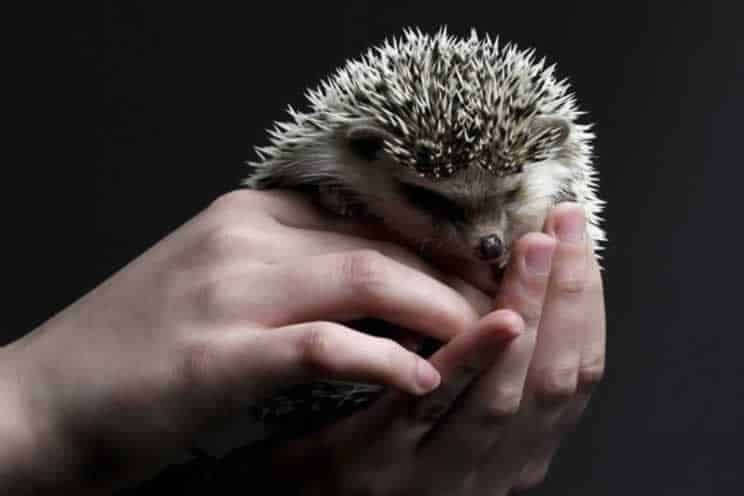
[[242, 300], [511, 388]]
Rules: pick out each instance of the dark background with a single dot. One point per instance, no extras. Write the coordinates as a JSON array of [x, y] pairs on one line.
[[188, 91]]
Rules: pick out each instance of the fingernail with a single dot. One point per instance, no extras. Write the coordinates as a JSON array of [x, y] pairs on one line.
[[538, 258], [427, 376], [571, 227]]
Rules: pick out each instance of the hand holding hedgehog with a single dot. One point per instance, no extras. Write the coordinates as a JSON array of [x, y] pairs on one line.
[[522, 383], [117, 382], [456, 147], [236, 304], [108, 389]]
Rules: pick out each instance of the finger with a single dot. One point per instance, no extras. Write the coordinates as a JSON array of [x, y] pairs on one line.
[[349, 286], [397, 423], [459, 362], [315, 243], [475, 419], [241, 366], [554, 370], [591, 371], [496, 396], [480, 301], [552, 376], [593, 349], [296, 211], [525, 282]]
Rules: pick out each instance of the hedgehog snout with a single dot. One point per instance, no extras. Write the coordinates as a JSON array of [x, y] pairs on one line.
[[490, 247]]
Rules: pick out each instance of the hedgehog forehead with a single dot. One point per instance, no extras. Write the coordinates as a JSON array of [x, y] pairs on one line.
[[450, 103]]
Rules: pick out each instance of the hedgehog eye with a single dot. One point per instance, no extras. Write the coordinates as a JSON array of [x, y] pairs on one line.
[[366, 142], [367, 148], [435, 203]]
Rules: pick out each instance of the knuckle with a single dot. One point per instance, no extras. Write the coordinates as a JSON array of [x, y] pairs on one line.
[[390, 351], [365, 271], [556, 385], [591, 372], [209, 297], [571, 284], [239, 206], [316, 347], [531, 311], [214, 296], [505, 402], [235, 200], [222, 242]]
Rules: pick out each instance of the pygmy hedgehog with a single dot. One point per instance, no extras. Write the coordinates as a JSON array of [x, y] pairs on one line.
[[459, 146]]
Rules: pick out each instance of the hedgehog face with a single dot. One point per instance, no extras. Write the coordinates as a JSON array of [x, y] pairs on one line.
[[472, 214]]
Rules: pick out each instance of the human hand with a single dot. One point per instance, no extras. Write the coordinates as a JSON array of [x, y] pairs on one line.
[[233, 305], [510, 389], [568, 360]]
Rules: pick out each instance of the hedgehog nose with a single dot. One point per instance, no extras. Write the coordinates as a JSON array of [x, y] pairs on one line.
[[490, 247]]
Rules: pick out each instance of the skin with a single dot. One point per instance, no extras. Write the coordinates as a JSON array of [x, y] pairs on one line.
[[239, 301], [524, 391]]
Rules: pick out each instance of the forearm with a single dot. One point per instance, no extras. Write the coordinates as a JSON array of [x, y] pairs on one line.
[[19, 456], [34, 459]]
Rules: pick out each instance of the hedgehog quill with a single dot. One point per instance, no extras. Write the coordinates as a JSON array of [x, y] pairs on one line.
[[458, 146]]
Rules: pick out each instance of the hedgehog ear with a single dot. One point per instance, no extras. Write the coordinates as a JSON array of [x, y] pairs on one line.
[[554, 129], [367, 141]]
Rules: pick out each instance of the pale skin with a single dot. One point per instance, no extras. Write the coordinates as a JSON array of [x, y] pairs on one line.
[[246, 298]]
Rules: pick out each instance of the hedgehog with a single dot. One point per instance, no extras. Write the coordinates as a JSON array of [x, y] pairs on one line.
[[457, 145]]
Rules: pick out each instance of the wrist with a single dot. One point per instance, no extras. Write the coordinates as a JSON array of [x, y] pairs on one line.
[[18, 439], [33, 457]]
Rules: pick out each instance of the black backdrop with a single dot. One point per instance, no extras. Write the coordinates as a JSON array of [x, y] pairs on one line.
[[189, 90]]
